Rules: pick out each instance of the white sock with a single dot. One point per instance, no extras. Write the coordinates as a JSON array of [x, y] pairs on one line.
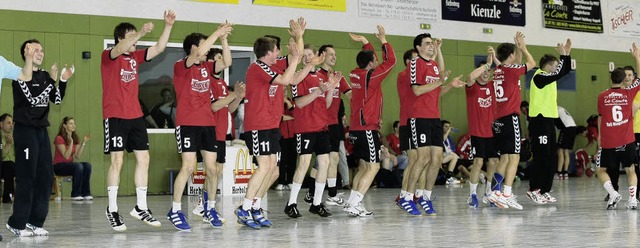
[[211, 204], [113, 198], [331, 182], [473, 187], [632, 191], [487, 188], [427, 193], [257, 203], [176, 207], [357, 198], [351, 196], [408, 197], [609, 187], [507, 190], [419, 193], [141, 195], [403, 193], [317, 195], [293, 195], [246, 204]]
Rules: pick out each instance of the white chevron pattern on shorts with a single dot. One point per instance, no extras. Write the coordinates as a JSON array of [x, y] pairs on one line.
[[516, 132], [598, 155], [179, 139], [299, 143], [372, 147], [256, 145], [106, 135], [414, 132]]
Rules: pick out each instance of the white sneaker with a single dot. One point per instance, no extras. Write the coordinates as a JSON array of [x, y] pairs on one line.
[[632, 204], [536, 197], [453, 180], [613, 201], [280, 187], [512, 202], [199, 210], [20, 232], [363, 211], [335, 201], [351, 210], [497, 199], [88, 198], [549, 198], [77, 198], [37, 231]]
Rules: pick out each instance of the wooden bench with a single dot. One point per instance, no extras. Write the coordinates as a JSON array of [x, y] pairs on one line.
[[57, 186]]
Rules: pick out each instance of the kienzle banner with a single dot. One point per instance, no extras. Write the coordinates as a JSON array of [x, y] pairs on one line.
[[506, 12]]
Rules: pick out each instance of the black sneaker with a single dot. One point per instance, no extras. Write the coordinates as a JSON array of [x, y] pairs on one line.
[[116, 222], [308, 198], [292, 211], [319, 210]]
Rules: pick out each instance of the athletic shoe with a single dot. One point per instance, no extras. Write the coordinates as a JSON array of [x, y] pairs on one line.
[[557, 176], [178, 220], [409, 206], [335, 201], [496, 198], [473, 201], [20, 232], [88, 198], [258, 216], [77, 198], [280, 187], [452, 180], [199, 210], [483, 179], [292, 211], [351, 210], [212, 217], [205, 219], [606, 198], [613, 201], [308, 198], [549, 198], [398, 202], [485, 200], [632, 204], [244, 217], [512, 202], [37, 231], [363, 211], [115, 220], [145, 216], [319, 210], [536, 197]]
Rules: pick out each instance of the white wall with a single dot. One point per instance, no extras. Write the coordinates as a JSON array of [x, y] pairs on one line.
[[247, 13]]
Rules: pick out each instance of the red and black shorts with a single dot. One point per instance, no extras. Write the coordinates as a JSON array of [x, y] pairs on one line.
[[196, 138]]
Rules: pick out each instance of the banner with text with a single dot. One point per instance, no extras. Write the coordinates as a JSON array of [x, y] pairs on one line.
[[216, 1], [624, 18], [506, 12], [577, 15], [408, 10], [332, 5]]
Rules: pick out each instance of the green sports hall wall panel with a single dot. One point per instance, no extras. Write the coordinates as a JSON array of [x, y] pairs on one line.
[[65, 36]]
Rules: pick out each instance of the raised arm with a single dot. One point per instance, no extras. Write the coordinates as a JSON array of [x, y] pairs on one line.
[[27, 70], [294, 55], [126, 43], [206, 45], [296, 30], [475, 74], [522, 46], [241, 90], [440, 56], [635, 52], [80, 148], [388, 55], [564, 67], [155, 50], [226, 55]]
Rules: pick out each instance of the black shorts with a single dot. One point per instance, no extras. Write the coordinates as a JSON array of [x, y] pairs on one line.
[[196, 138], [567, 138], [612, 158], [221, 150], [316, 142], [482, 148], [366, 145], [506, 133], [121, 134], [336, 134], [263, 142], [426, 132], [406, 143]]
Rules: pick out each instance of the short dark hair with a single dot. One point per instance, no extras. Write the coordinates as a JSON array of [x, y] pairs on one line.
[[481, 63], [213, 52], [417, 41], [395, 124], [309, 46], [504, 50], [445, 122], [629, 68], [192, 39], [4, 116], [277, 38], [524, 104], [324, 47], [617, 76], [547, 59], [580, 129], [24, 44], [164, 90], [408, 55], [121, 30], [364, 58], [263, 45]]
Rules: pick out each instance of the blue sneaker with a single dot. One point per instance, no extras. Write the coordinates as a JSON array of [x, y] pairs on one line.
[[408, 206], [473, 201], [178, 220], [212, 217], [430, 210], [244, 217], [426, 205], [258, 216]]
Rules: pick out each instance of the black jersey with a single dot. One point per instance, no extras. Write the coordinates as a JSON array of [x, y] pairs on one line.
[[31, 99]]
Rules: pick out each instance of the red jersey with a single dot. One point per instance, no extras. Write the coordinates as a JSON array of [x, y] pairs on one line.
[[463, 148], [334, 108], [615, 107], [347, 144], [313, 116], [263, 110], [366, 96], [58, 157], [281, 64], [480, 109], [423, 72], [394, 143], [120, 84], [286, 127], [222, 116], [407, 98], [506, 82], [193, 94]]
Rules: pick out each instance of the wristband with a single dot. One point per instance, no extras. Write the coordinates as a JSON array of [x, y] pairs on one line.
[[64, 69]]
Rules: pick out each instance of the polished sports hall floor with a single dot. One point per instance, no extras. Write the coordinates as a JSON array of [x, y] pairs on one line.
[[578, 219]]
